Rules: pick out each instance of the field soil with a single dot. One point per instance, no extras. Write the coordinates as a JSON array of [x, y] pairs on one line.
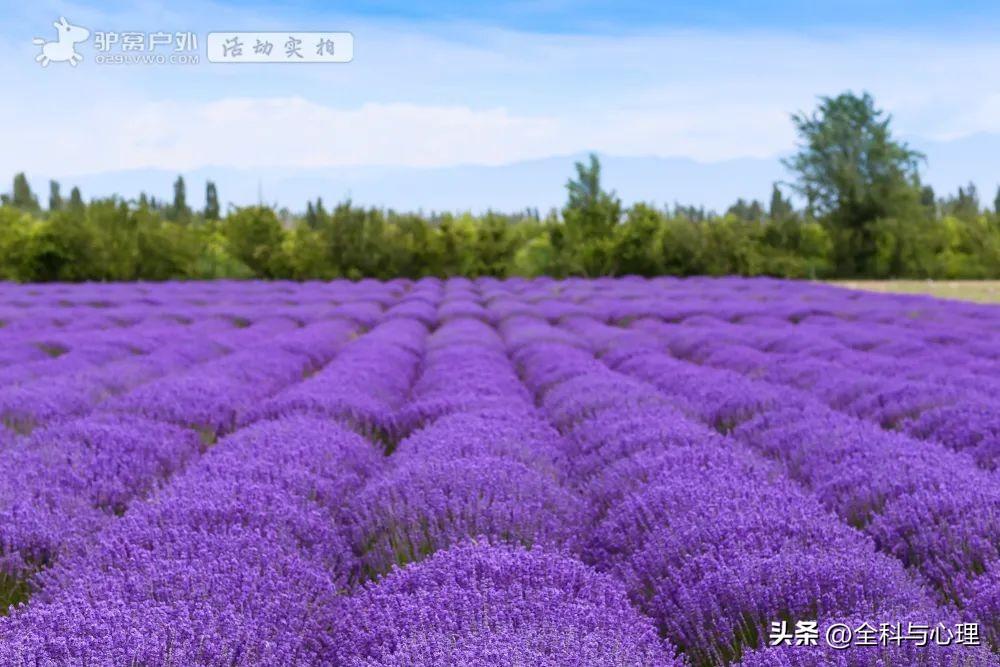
[[980, 291]]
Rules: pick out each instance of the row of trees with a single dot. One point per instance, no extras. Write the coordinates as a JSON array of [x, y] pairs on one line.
[[866, 214]]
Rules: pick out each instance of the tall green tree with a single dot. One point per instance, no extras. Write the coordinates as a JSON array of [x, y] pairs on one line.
[[179, 210], [211, 201], [852, 172], [21, 196], [591, 215], [312, 222], [779, 208], [55, 199], [996, 202], [76, 205]]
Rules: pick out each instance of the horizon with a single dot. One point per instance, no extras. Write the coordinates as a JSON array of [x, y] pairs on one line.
[[711, 185]]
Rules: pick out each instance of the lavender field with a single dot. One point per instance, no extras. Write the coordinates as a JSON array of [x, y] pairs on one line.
[[523, 472]]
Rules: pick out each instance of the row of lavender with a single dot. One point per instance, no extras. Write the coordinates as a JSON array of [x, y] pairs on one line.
[[81, 444], [519, 414]]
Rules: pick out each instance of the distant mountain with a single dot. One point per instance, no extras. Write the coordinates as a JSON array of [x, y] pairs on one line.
[[513, 187]]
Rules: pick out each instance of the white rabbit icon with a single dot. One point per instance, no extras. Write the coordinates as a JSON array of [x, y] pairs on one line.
[[62, 50]]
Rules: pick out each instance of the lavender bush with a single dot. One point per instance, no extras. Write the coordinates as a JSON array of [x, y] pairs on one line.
[[613, 472]]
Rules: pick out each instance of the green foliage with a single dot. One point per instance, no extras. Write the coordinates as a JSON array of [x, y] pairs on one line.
[[964, 205], [853, 173], [780, 207], [60, 248], [635, 250], [682, 246], [495, 244], [255, 237], [16, 230], [590, 217], [867, 215], [110, 239], [307, 258], [534, 258], [179, 210], [76, 204], [211, 201], [55, 199], [311, 219], [750, 211], [21, 196]]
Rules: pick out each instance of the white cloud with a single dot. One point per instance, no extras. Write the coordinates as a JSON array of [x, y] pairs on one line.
[[295, 132], [292, 132]]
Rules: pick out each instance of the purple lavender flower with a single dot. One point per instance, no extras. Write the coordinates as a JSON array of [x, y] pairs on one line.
[[426, 504], [484, 605], [237, 561]]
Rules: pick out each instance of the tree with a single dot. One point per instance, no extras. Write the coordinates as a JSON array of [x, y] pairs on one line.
[[255, 237], [752, 211], [682, 246], [591, 215], [62, 248], [852, 172], [55, 199], [115, 239], [927, 198], [179, 211], [76, 205], [996, 202], [16, 230], [964, 205], [307, 257], [779, 208], [495, 245], [692, 213], [22, 197], [589, 208], [211, 201], [312, 222], [636, 251]]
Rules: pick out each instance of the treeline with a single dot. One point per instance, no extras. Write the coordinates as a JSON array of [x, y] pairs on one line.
[[866, 214]]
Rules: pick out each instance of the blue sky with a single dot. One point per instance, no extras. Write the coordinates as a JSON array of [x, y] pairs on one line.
[[438, 84], [575, 16], [601, 17]]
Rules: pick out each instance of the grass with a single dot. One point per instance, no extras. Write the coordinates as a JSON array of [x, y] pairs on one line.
[[13, 591], [980, 291]]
